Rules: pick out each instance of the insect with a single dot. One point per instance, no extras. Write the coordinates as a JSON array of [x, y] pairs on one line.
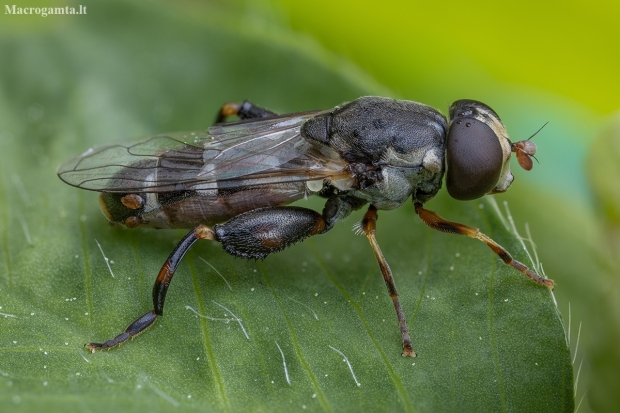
[[232, 183]]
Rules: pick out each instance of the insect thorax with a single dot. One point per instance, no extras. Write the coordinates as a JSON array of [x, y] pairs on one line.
[[394, 148]]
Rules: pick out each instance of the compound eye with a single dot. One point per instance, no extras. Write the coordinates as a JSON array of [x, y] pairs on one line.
[[474, 158]]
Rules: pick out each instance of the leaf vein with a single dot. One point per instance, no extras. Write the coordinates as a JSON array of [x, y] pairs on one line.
[[217, 376], [398, 384], [295, 340]]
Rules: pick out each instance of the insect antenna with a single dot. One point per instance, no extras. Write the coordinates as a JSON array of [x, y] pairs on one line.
[[539, 129], [536, 133]]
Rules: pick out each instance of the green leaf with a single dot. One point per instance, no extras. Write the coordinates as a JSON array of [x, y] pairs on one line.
[[487, 338]]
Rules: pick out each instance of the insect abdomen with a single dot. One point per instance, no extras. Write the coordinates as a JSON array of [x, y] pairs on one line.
[[186, 209]]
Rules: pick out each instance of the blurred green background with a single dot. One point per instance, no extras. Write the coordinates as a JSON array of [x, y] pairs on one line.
[[531, 61]]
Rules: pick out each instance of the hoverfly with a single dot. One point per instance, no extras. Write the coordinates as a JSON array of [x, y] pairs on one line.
[[232, 182]]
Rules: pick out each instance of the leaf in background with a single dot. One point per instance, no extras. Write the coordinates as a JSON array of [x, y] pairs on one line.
[[488, 339], [603, 168]]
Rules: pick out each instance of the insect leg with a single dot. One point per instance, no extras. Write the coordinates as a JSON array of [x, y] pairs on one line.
[[244, 110], [254, 234], [440, 224], [369, 226], [159, 290]]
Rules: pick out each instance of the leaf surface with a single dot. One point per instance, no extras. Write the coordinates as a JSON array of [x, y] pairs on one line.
[[310, 328]]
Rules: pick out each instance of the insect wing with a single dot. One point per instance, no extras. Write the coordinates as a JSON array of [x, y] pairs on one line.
[[256, 152], [242, 149], [158, 163]]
